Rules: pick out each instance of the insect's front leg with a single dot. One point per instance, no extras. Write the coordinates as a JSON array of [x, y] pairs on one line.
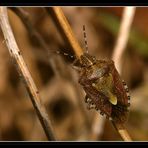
[[76, 65]]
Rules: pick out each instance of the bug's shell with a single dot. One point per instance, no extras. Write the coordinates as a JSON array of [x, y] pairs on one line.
[[101, 82]]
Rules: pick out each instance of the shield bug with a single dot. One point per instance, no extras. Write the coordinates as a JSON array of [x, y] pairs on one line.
[[105, 90]]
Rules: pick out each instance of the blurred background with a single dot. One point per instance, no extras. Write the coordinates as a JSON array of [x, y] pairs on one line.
[[57, 80]]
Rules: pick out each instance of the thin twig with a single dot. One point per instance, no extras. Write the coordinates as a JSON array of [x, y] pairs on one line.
[[65, 29], [25, 74], [122, 131], [122, 39]]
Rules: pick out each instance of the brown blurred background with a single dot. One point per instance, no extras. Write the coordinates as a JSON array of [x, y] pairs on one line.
[[60, 92]]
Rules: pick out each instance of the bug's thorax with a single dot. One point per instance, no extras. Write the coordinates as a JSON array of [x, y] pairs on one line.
[[92, 69], [95, 74]]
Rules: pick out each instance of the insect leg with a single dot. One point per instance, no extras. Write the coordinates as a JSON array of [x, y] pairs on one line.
[[87, 99], [126, 89]]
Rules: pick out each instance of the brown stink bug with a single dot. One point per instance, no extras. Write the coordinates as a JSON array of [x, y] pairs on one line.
[[104, 88]]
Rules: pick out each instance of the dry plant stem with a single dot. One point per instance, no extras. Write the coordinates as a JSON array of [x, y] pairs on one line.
[[122, 131], [122, 39], [66, 31], [25, 74]]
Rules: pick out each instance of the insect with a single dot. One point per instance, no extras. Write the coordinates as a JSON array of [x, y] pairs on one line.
[[105, 90]]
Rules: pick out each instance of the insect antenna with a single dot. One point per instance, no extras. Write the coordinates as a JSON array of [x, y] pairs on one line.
[[62, 53], [85, 39]]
